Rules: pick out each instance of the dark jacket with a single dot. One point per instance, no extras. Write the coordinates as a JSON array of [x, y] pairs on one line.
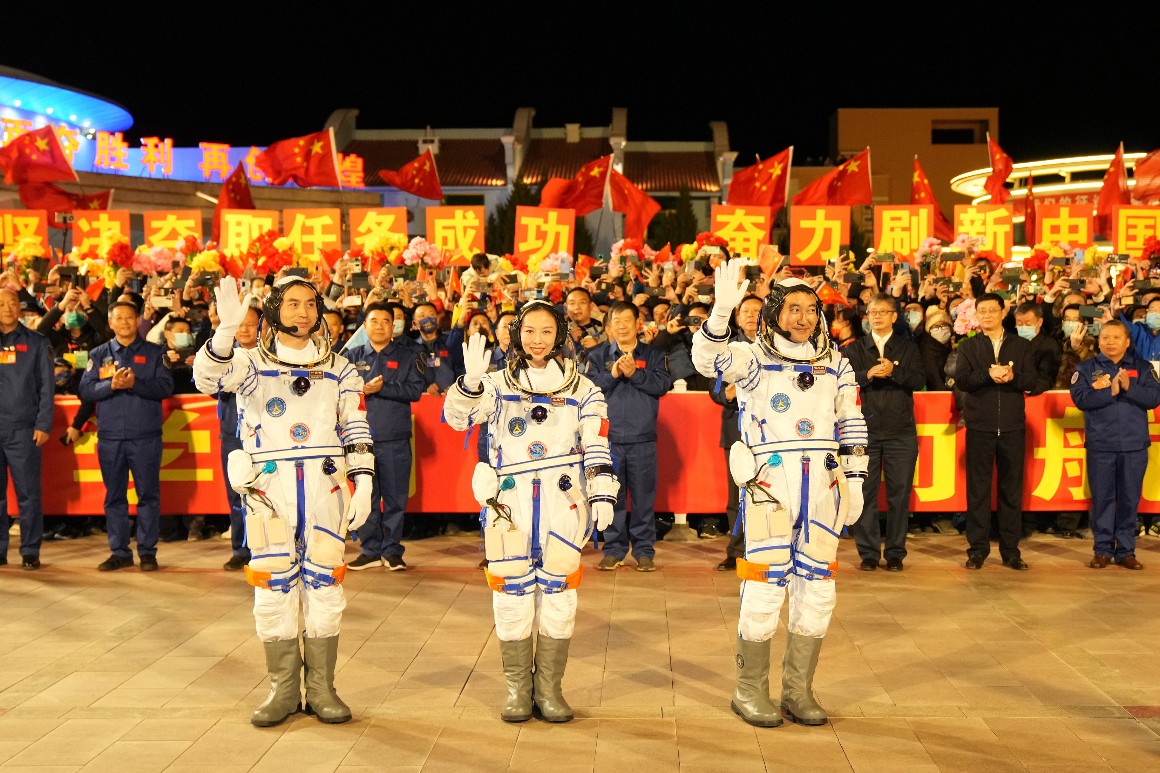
[[1115, 422], [126, 414], [633, 402], [27, 382], [441, 361], [934, 360], [988, 406], [389, 409], [888, 403], [1048, 356]]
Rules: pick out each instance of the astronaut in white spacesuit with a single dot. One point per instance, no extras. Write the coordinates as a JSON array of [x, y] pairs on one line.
[[800, 466], [302, 423], [548, 478]]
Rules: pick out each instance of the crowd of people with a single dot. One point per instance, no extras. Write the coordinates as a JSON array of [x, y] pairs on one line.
[[907, 326]]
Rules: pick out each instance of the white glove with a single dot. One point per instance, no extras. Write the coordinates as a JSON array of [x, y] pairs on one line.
[[602, 512], [358, 509], [728, 290], [231, 310], [476, 359], [856, 501]]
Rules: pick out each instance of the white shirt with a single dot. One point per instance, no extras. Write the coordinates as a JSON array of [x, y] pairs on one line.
[[881, 342]]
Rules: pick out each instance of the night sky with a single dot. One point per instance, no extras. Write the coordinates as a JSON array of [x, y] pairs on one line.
[[1063, 86]]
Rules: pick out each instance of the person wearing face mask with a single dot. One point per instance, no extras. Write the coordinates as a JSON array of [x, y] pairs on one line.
[[1145, 336], [392, 380], [1044, 347], [74, 325], [1077, 344], [179, 353], [934, 347], [888, 370], [438, 367], [914, 320], [846, 327]]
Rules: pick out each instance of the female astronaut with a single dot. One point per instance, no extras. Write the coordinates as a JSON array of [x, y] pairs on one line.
[[549, 475]]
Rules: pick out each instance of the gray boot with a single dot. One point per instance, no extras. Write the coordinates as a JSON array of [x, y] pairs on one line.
[[321, 699], [797, 681], [751, 695], [551, 658], [517, 670], [284, 664]]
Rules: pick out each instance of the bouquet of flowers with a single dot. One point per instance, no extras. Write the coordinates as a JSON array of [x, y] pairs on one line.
[[965, 320], [929, 250], [26, 250], [154, 260], [186, 247], [271, 252], [380, 249], [114, 249]]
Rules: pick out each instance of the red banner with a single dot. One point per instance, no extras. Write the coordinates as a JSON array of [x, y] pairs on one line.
[[168, 227], [689, 426], [16, 224]]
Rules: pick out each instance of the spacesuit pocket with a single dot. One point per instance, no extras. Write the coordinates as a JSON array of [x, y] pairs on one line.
[[560, 556], [822, 544], [506, 550], [325, 548], [765, 519]]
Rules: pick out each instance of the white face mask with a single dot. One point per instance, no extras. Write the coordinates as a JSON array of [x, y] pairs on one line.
[[398, 327], [941, 334]]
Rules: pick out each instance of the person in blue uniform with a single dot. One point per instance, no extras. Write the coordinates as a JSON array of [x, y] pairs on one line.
[[27, 385], [633, 376], [246, 338], [434, 349], [128, 381], [392, 373], [1116, 390]]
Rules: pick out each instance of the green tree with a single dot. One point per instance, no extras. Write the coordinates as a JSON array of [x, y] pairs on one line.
[[675, 226], [500, 237]]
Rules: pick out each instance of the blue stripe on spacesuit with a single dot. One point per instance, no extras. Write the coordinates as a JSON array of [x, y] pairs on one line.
[[539, 399], [537, 552], [804, 504], [777, 366], [300, 527]]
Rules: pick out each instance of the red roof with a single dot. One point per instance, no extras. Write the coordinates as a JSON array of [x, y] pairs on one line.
[[661, 171], [555, 157]]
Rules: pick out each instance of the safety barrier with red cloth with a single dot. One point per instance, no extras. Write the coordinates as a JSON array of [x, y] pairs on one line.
[[691, 463]]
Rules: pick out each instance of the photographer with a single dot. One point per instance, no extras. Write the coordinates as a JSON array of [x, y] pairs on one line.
[[180, 349], [439, 370], [75, 324]]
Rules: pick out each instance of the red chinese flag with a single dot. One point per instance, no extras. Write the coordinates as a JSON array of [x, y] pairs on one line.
[[1113, 194], [847, 186], [418, 177], [95, 288], [454, 286], [1029, 219], [1147, 177], [764, 184], [583, 266], [584, 193], [308, 161], [922, 193], [1001, 166], [829, 296], [54, 199], [35, 157], [235, 194], [638, 207]]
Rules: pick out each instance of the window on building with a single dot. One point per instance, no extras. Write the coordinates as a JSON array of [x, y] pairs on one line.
[[958, 132]]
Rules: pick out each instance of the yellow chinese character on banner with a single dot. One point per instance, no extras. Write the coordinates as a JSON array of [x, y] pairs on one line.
[[350, 171], [942, 457], [1069, 226], [252, 170], [745, 230], [14, 227], [314, 232], [214, 160], [181, 441], [901, 230], [540, 232], [156, 152], [994, 224], [240, 227], [1133, 227], [1063, 453], [825, 237], [370, 223], [93, 228], [13, 128], [112, 151], [458, 232], [169, 227]]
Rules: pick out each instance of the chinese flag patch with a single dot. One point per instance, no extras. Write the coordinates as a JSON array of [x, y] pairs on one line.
[[392, 365], [362, 402], [604, 428], [139, 359], [21, 347], [640, 364]]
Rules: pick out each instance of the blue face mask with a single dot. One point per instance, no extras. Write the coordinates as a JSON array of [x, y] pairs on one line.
[[1152, 320], [183, 340], [866, 326], [429, 325], [954, 313], [1025, 331], [1096, 328]]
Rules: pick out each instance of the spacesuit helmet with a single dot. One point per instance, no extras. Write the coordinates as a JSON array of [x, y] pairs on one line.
[[561, 344], [272, 311], [771, 312]]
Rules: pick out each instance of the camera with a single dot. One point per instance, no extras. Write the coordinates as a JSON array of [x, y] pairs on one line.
[[360, 281], [596, 272], [951, 256], [884, 257], [1117, 257], [1091, 312], [356, 265], [65, 218], [753, 273], [654, 292], [1060, 262]]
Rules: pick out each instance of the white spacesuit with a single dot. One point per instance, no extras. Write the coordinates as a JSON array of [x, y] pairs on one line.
[[302, 423], [548, 478], [803, 436]]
